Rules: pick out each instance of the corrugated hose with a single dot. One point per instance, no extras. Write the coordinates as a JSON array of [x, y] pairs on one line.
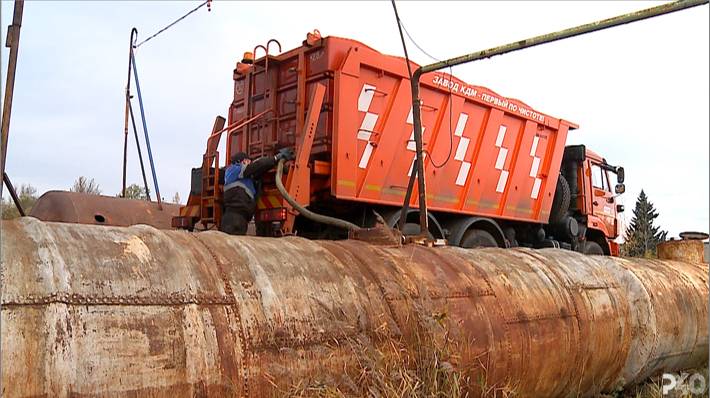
[[336, 222]]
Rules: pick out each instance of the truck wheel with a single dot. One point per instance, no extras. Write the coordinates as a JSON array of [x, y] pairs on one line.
[[478, 238], [410, 228], [593, 249], [561, 201]]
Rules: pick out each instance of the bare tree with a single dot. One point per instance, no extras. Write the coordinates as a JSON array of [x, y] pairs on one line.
[[176, 198], [85, 185]]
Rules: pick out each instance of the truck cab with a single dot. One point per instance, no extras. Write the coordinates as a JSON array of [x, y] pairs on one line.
[[593, 199]]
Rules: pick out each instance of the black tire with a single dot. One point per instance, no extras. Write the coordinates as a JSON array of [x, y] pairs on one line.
[[409, 228], [593, 249], [561, 201], [478, 238]]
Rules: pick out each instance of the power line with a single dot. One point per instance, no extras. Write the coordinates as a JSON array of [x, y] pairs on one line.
[[207, 2], [417, 45], [451, 134]]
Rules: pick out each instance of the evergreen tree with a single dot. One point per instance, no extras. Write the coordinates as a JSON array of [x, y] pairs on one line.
[[642, 236]]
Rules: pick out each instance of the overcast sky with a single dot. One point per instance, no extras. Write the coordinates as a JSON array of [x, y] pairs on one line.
[[639, 92]]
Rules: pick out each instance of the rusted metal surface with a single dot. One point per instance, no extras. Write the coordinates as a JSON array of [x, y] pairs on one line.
[[89, 311], [80, 208], [688, 250]]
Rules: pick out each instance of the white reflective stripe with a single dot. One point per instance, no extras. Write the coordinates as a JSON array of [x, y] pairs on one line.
[[502, 154], [411, 145], [229, 186], [363, 102], [461, 125], [500, 160], [463, 173], [240, 185], [501, 135], [502, 181], [368, 123], [533, 150], [535, 167], [366, 156], [462, 148], [536, 188], [363, 135]]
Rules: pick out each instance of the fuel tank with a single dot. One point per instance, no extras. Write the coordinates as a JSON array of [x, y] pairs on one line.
[[135, 311]]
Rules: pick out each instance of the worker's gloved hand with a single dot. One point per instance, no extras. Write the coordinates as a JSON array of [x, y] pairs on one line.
[[286, 154]]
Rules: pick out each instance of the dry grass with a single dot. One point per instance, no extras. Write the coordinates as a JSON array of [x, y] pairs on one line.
[[391, 371], [423, 364]]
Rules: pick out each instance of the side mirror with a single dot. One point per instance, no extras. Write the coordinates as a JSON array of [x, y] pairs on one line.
[[620, 188], [620, 175]]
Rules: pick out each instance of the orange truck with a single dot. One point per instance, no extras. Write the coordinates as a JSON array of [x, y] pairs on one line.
[[497, 171]]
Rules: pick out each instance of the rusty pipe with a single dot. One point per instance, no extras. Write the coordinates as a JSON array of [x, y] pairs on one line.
[[112, 311], [134, 31], [82, 208], [591, 27]]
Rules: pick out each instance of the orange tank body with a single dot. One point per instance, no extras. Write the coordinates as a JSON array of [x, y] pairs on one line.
[[505, 156]]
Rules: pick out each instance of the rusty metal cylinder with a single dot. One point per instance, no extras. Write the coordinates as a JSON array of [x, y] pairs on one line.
[[83, 208], [688, 250], [114, 311]]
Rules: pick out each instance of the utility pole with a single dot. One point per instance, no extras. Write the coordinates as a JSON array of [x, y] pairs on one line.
[[13, 42]]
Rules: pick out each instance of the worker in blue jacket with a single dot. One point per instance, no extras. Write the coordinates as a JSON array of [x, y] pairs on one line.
[[240, 189]]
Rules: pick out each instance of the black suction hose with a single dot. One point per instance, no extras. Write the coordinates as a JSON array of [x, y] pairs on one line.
[[336, 222]]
